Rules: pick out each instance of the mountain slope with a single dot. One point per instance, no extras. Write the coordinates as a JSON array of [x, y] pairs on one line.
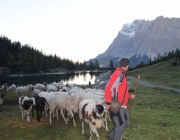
[[140, 40]]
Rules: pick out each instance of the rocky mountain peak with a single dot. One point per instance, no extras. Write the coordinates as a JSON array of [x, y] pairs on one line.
[[141, 39]]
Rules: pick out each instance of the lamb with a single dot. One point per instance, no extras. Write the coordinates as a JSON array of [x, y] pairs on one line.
[[65, 101], [93, 114], [39, 107], [25, 105], [1, 100]]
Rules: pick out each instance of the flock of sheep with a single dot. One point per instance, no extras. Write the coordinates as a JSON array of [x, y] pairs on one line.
[[66, 99]]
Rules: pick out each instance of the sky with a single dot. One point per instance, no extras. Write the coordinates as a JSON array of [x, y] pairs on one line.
[[77, 30]]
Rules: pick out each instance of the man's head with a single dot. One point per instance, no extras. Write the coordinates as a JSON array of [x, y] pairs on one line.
[[124, 64]]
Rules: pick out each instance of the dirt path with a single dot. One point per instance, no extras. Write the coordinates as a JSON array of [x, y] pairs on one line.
[[145, 83]]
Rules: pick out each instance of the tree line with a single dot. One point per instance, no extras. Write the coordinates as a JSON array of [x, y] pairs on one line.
[[167, 56], [25, 58]]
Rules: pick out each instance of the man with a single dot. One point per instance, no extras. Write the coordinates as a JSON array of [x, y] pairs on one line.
[[118, 84]]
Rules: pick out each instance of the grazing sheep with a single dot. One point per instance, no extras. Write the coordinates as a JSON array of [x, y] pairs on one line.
[[25, 105], [36, 92], [57, 85], [97, 98], [12, 88], [3, 88], [95, 91], [51, 88], [93, 114], [41, 86], [64, 89], [21, 91], [71, 85], [39, 107], [1, 100], [65, 101], [30, 88]]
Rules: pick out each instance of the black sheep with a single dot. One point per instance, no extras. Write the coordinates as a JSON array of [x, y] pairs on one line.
[[39, 107]]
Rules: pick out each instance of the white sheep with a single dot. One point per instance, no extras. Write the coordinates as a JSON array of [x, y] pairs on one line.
[[65, 101], [57, 85], [12, 88], [36, 92], [95, 91], [64, 89], [40, 86], [51, 88], [21, 91]]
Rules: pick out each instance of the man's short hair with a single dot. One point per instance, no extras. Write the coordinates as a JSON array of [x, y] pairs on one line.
[[123, 62]]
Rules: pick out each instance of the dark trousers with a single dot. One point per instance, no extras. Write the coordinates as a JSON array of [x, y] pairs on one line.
[[121, 121]]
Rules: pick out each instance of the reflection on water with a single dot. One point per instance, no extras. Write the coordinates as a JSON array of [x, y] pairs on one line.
[[24, 79]]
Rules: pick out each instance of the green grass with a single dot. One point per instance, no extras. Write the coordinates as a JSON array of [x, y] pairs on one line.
[[163, 73], [154, 115]]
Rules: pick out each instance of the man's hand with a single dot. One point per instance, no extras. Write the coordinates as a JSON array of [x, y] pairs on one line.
[[107, 106], [132, 96]]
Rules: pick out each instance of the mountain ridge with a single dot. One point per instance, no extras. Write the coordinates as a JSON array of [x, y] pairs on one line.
[[142, 40]]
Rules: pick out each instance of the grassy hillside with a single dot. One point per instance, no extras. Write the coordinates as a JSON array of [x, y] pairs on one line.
[[163, 73]]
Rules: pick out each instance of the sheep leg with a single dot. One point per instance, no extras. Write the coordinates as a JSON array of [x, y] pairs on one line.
[[94, 130], [38, 118], [22, 112], [28, 118], [56, 112], [50, 120], [40, 114], [46, 109], [71, 113], [62, 114], [32, 113], [105, 120], [82, 128], [90, 138]]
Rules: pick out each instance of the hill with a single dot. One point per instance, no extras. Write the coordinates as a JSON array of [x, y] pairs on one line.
[[163, 73]]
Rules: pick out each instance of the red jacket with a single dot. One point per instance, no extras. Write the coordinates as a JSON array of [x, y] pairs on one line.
[[118, 87]]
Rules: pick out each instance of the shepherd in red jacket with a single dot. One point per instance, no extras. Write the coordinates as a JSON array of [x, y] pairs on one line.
[[118, 86]]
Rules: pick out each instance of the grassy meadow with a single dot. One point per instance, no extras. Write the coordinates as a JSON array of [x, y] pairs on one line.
[[163, 73], [154, 115]]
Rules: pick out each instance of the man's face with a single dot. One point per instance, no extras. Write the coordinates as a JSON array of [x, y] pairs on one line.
[[126, 68]]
